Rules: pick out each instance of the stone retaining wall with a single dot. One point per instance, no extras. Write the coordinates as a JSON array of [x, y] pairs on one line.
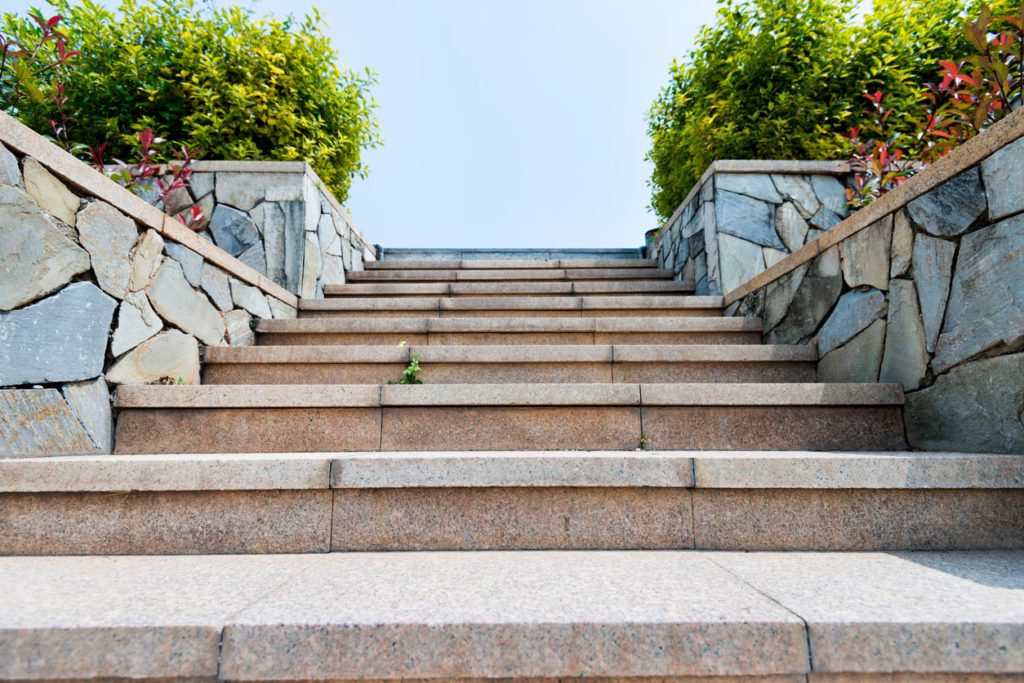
[[744, 216], [277, 217], [99, 289], [925, 288]]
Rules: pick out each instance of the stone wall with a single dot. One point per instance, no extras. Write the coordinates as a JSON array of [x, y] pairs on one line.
[[924, 288], [278, 218], [98, 289], [744, 216]]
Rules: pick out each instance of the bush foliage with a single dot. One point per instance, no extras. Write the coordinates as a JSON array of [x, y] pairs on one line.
[[784, 79], [222, 80]]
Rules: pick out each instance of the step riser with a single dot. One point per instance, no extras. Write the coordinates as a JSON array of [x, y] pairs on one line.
[[514, 313], [463, 275], [502, 338], [506, 372], [446, 428], [509, 518], [410, 293]]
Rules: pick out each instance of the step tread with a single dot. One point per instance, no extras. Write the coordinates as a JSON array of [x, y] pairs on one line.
[[545, 303], [426, 325], [524, 353], [513, 274], [554, 288], [371, 396], [511, 614], [672, 469]]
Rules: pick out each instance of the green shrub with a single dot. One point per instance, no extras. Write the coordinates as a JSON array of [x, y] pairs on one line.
[[221, 80], [783, 79]]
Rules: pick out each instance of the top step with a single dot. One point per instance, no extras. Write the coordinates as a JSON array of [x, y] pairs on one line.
[[506, 255]]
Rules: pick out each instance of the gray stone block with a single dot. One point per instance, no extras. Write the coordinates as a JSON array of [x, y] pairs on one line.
[[986, 305], [185, 308], [136, 322], [239, 326], [933, 265], [853, 313], [10, 171], [906, 358], [830, 193], [746, 218], [191, 263], [109, 236], [756, 185], [952, 207], [60, 339], [35, 257], [1003, 173], [977, 407], [791, 226], [797, 189], [233, 230], [201, 184], [255, 257], [239, 190], [901, 251], [813, 300], [856, 361], [36, 422], [740, 260], [214, 282], [865, 255], [251, 299], [90, 402]]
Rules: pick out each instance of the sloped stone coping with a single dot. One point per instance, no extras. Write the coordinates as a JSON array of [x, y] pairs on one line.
[[372, 396], [532, 469], [971, 153], [26, 141]]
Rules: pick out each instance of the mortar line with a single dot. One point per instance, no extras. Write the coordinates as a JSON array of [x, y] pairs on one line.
[[807, 628]]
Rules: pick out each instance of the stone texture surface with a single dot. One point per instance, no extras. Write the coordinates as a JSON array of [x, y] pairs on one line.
[[166, 523], [859, 519], [746, 218], [813, 300], [62, 338], [233, 230], [176, 302], [214, 282], [791, 226], [10, 171], [170, 354], [1003, 173], [251, 299], [913, 612], [906, 359], [951, 208], [756, 185], [136, 322], [554, 518], [90, 402], [853, 313], [933, 266], [986, 304], [35, 257], [50, 194], [978, 406], [856, 361], [519, 615], [35, 422], [280, 309], [239, 330], [830, 193], [740, 261], [239, 190], [108, 235], [146, 258], [902, 245], [310, 267], [865, 255], [191, 263], [798, 190]]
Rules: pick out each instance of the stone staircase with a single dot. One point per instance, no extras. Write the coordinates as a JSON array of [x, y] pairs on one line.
[[576, 402]]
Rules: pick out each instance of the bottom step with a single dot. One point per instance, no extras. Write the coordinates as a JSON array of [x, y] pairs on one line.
[[514, 615]]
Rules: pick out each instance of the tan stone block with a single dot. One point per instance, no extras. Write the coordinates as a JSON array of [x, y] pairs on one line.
[[511, 518], [858, 519], [184, 522], [817, 428], [241, 430], [489, 428], [50, 194]]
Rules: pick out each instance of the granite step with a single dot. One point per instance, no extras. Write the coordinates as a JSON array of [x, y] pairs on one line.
[[388, 255], [310, 418], [513, 306], [306, 503], [554, 288], [498, 330], [457, 274], [467, 364], [623, 615]]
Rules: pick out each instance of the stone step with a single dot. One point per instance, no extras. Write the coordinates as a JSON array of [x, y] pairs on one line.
[[517, 274], [513, 306], [467, 364], [349, 417], [450, 331], [305, 503], [529, 256], [623, 615], [491, 289]]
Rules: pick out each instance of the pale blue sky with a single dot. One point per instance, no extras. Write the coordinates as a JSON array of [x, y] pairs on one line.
[[507, 123]]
